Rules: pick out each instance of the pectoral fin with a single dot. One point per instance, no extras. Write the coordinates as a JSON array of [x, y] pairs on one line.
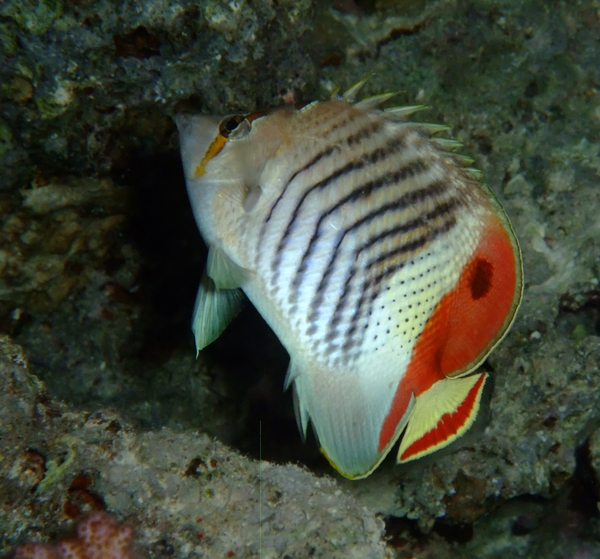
[[223, 271], [441, 415], [213, 311]]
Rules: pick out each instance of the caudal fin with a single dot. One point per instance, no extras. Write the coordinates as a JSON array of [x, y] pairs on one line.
[[441, 414]]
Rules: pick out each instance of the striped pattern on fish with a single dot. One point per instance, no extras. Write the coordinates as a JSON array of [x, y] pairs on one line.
[[365, 247]]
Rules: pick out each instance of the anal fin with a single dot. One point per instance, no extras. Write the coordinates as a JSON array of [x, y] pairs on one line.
[[441, 414], [300, 410], [213, 311]]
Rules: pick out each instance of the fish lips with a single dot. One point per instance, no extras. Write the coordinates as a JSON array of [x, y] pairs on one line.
[[196, 134]]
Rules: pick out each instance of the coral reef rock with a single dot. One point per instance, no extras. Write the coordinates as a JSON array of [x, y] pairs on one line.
[[185, 494]]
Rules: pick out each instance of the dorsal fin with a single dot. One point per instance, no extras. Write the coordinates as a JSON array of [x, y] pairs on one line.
[[353, 91], [403, 112], [446, 144], [430, 128], [375, 100]]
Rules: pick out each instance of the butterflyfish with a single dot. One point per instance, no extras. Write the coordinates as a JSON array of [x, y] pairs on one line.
[[385, 267]]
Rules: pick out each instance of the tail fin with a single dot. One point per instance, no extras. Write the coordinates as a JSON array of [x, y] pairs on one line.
[[441, 415]]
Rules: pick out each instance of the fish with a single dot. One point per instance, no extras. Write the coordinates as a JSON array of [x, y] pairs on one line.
[[384, 265]]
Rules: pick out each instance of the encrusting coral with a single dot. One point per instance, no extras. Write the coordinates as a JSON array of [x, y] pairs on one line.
[[99, 536]]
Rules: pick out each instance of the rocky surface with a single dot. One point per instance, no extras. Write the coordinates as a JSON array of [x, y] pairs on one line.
[[186, 495], [99, 257], [86, 84]]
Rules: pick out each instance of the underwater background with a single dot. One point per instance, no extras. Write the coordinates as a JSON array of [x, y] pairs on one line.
[[103, 405]]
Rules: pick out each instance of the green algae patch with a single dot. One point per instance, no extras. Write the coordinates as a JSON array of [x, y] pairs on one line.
[[35, 17]]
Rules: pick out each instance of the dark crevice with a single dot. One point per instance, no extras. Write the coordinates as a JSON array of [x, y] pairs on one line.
[[454, 532], [585, 491], [162, 227], [247, 363], [581, 310], [400, 531]]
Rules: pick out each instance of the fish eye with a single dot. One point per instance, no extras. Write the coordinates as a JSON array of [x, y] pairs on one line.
[[234, 126]]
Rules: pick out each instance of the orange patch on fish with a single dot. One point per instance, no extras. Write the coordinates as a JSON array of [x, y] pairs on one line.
[[468, 322]]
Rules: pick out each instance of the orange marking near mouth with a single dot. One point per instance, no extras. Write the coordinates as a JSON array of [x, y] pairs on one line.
[[213, 150]]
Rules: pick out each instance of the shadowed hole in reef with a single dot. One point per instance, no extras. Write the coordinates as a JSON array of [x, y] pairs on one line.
[[454, 532], [402, 533], [162, 228], [585, 491], [580, 314], [245, 367], [405, 536], [251, 359]]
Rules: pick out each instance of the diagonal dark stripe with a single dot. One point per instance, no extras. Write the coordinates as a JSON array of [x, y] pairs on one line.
[[441, 210], [364, 133], [372, 286], [363, 191], [365, 160]]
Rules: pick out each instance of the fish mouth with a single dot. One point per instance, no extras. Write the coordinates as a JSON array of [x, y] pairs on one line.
[[196, 134], [196, 124]]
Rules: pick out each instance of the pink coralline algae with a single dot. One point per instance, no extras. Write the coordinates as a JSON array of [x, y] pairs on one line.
[[99, 536]]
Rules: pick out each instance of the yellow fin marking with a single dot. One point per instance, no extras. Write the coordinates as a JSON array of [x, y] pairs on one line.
[[441, 415], [337, 469]]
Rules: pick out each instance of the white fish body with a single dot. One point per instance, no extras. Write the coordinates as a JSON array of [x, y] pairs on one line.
[[385, 269]]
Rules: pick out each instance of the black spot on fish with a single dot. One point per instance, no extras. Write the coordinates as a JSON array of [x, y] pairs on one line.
[[480, 280]]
